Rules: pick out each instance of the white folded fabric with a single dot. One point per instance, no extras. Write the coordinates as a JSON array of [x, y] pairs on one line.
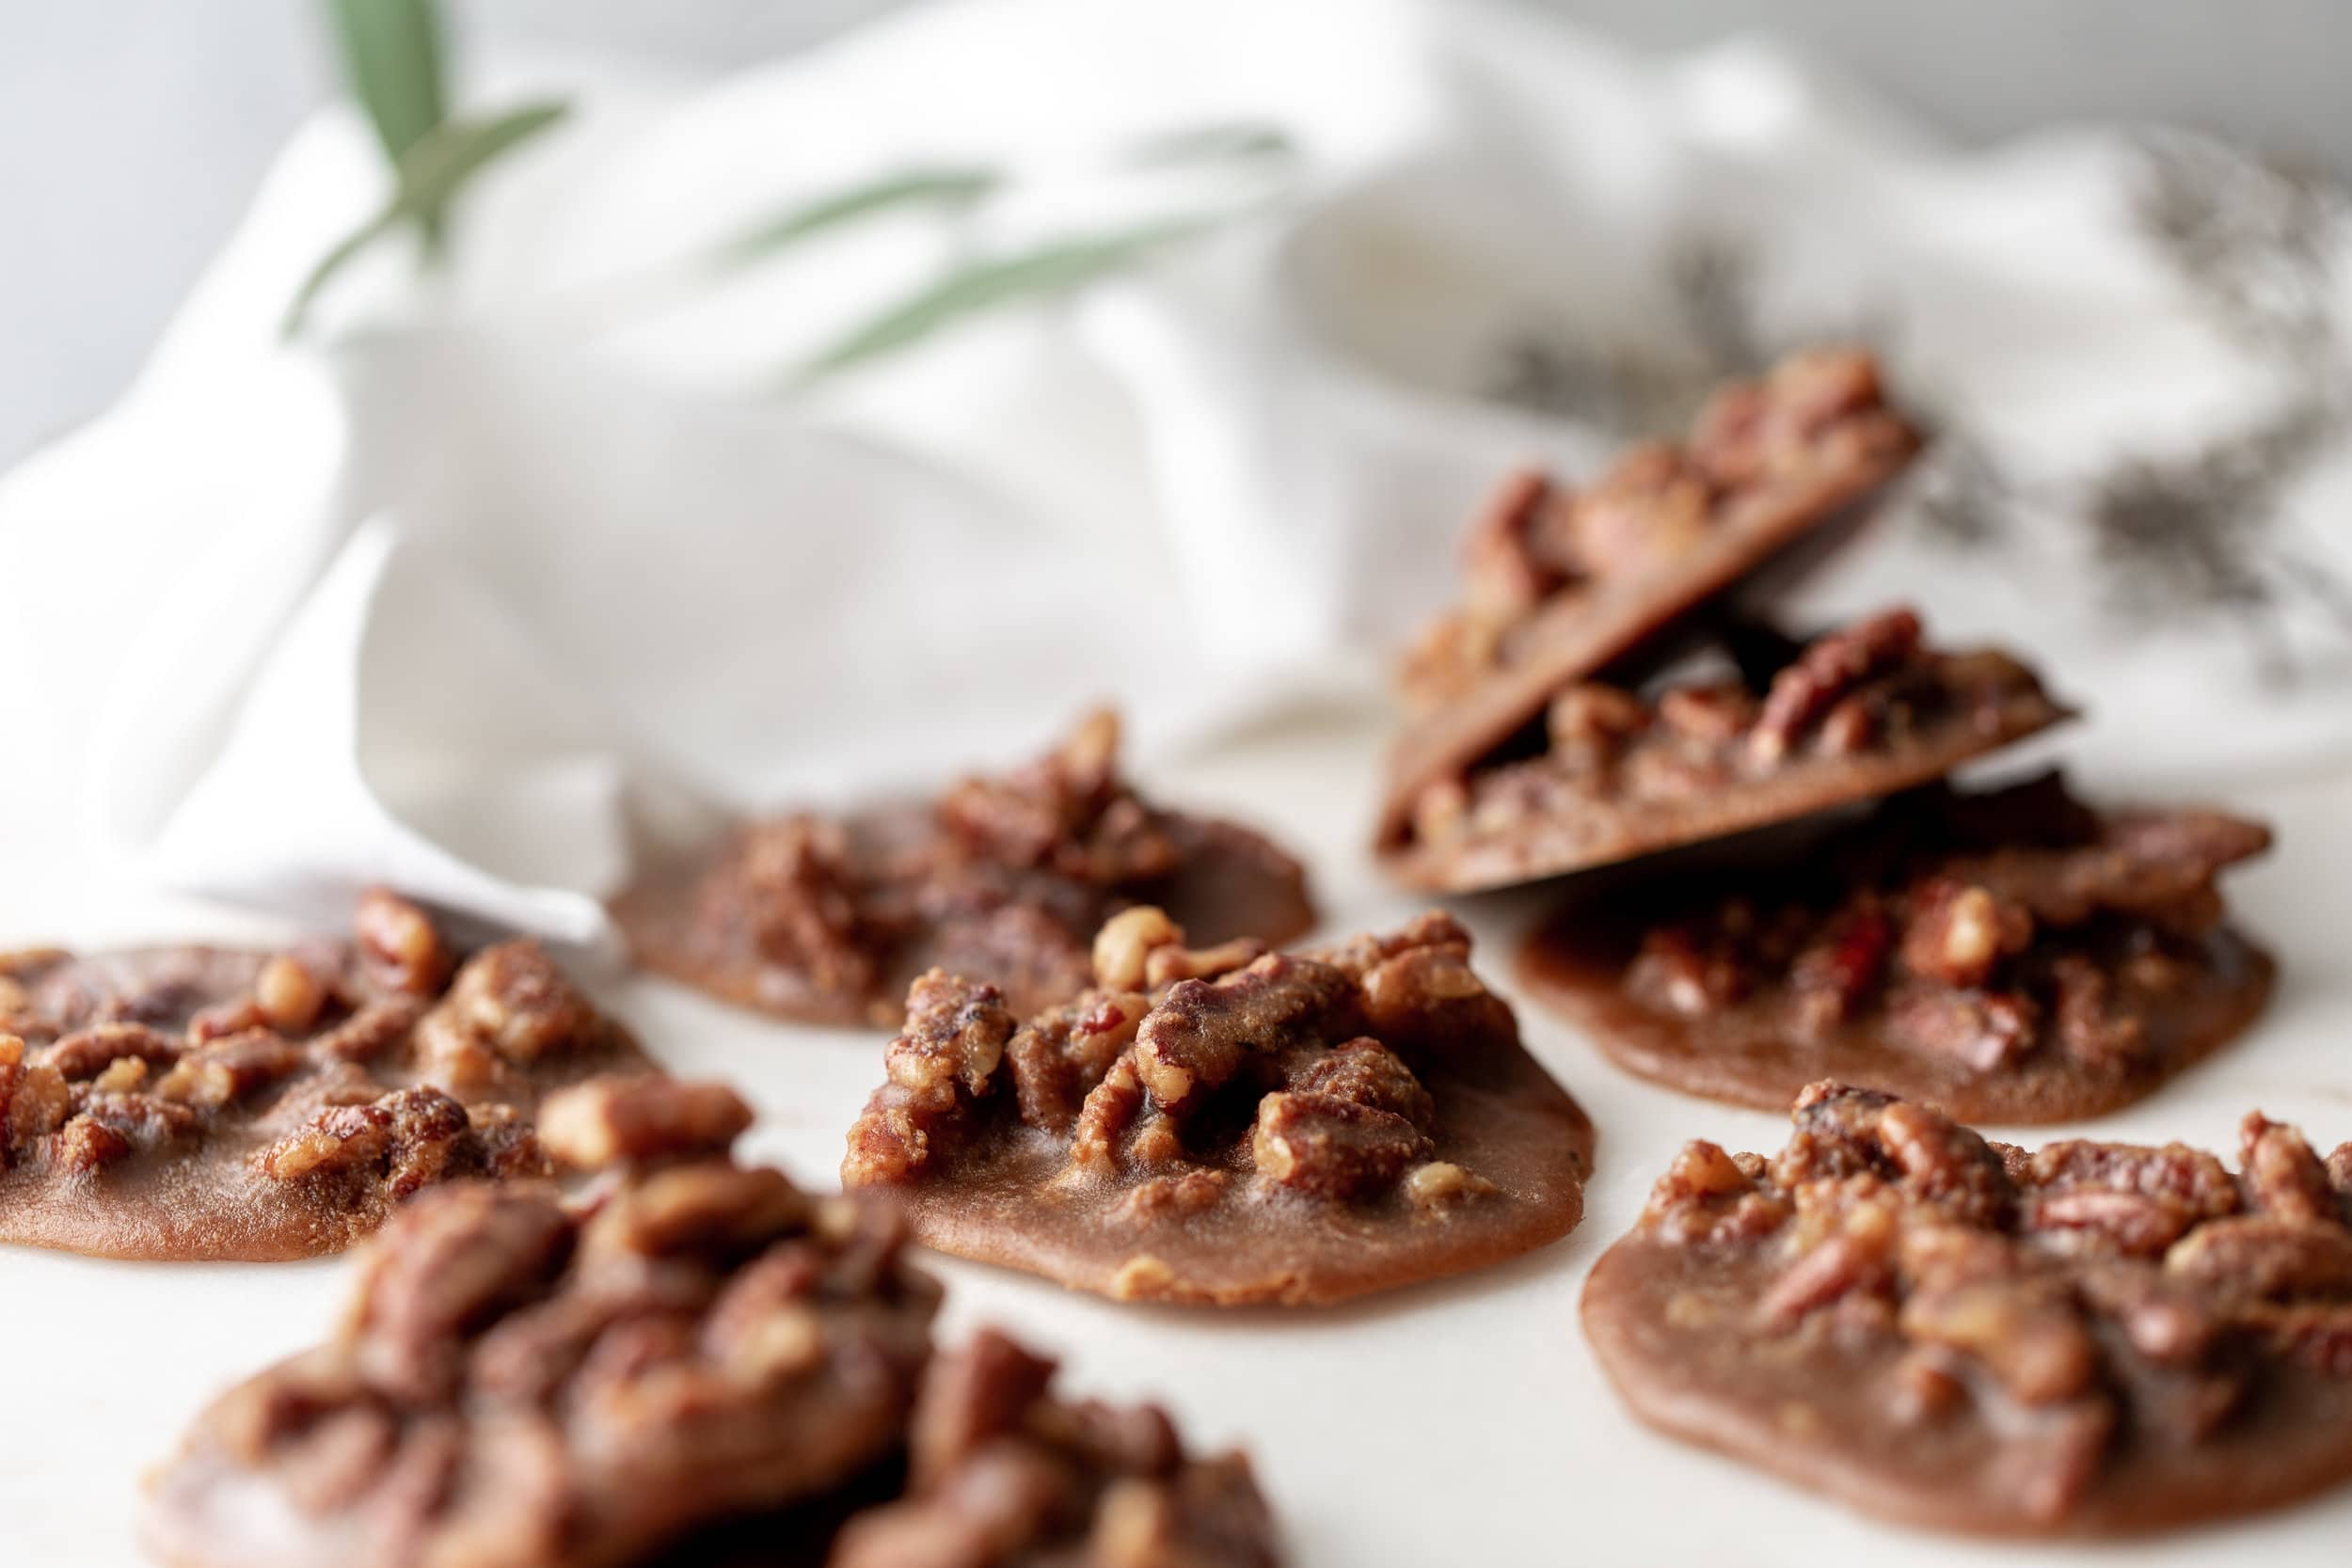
[[495, 573]]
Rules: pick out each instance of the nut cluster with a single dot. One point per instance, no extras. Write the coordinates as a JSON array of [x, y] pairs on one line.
[[1188, 1073], [2111, 1290]]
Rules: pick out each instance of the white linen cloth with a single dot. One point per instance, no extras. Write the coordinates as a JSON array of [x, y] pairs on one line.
[[496, 572]]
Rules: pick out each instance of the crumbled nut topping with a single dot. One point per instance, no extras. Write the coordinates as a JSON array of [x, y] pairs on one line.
[[1006, 877], [509, 1009], [1291, 1070], [2119, 1297], [1813, 413], [1975, 932], [391, 1147], [1067, 812], [285, 1101], [1873, 687], [1004, 1474], [543, 1387], [799, 897]]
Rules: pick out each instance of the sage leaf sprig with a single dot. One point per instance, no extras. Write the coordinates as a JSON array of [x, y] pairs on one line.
[[954, 189], [392, 57], [426, 182], [1048, 269], [394, 61], [938, 189], [1044, 270], [1224, 142]]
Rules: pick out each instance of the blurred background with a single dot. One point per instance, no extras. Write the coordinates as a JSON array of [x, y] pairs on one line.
[[132, 131]]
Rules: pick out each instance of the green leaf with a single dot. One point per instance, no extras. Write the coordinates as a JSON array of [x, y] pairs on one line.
[[919, 187], [298, 312], [1236, 140], [427, 182], [453, 152], [1054, 268], [392, 57]]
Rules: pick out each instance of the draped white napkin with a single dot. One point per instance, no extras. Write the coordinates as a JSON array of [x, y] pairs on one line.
[[491, 576]]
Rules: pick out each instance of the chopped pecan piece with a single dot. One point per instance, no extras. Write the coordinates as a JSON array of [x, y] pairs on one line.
[[225, 1019], [1505, 573], [1057, 1061], [955, 1036], [1358, 957], [87, 1052], [1943, 1164], [2284, 1175], [2258, 1256], [1700, 1174], [1426, 1001], [1165, 1197], [1332, 1148], [1676, 974], [2170, 1324], [1959, 933], [399, 1144], [87, 1143], [1364, 1070], [1710, 714], [1111, 1108], [1855, 1259], [1812, 401], [2177, 1173], [955, 1039], [2132, 1225], [35, 1099], [509, 1006], [1842, 1132], [1591, 719], [1981, 1032], [1066, 812], [399, 941], [1833, 978], [1651, 506], [1202, 1030], [1003, 1474], [611, 1120], [1124, 945], [2092, 1027], [700, 1209], [1826, 671], [443, 1270], [2316, 1337], [120, 1077], [289, 994], [794, 889], [1438, 1185], [371, 1031], [2024, 1331], [230, 1069]]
